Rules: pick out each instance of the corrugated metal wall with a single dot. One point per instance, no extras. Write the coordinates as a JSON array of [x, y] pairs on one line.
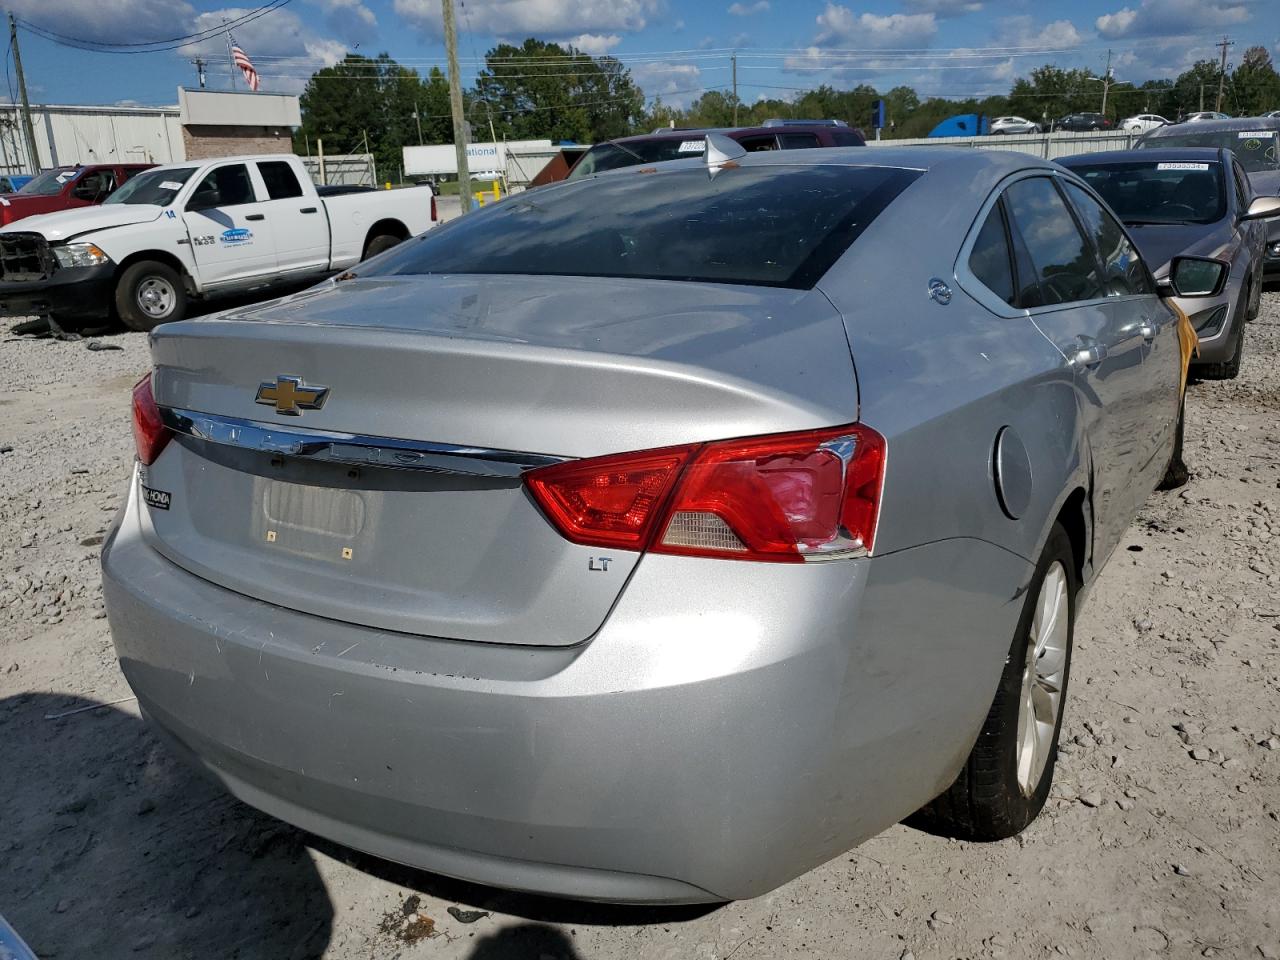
[[1049, 146], [75, 134]]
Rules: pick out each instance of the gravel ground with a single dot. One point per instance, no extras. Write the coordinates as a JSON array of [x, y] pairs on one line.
[[1160, 839]]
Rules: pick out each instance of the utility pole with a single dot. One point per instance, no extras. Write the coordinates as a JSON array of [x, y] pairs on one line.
[[1202, 97], [734, 62], [1222, 77], [417, 115], [1106, 84], [200, 75], [455, 105], [33, 158]]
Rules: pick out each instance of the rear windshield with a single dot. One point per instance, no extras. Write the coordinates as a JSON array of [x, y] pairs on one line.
[[1257, 150], [49, 183], [157, 187], [1168, 192], [611, 156], [776, 225]]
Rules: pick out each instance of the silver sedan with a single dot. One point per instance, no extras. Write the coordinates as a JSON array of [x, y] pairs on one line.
[[659, 535]]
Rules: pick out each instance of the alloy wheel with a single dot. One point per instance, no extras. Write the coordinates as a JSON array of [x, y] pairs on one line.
[[1042, 678]]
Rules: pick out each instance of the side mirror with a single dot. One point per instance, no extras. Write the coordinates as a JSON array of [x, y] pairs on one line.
[[1194, 277], [1262, 208]]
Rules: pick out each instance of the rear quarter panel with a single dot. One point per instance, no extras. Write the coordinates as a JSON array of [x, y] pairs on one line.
[[351, 215]]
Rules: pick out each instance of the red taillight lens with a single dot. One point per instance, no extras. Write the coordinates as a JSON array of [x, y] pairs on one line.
[[149, 433], [608, 501], [785, 498]]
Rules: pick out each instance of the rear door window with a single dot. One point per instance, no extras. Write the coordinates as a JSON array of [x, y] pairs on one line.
[[1063, 260], [754, 144], [797, 141], [1124, 272], [280, 179], [991, 260]]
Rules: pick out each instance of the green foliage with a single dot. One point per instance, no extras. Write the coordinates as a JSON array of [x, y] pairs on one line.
[[1255, 84]]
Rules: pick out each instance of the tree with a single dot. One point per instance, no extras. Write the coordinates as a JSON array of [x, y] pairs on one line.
[[1051, 92], [1255, 85], [1196, 89], [543, 90]]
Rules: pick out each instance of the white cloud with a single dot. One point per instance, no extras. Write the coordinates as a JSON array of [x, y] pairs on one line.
[[349, 19], [679, 84], [523, 18], [943, 8], [840, 26], [1167, 18], [748, 9], [109, 21], [1021, 31], [596, 44]]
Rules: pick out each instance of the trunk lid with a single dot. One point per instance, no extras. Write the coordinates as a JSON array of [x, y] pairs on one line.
[[555, 366]]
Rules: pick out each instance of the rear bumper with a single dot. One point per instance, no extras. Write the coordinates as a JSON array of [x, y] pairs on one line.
[[730, 726], [78, 294]]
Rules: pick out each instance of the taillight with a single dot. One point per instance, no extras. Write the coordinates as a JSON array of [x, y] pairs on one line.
[[149, 433], [785, 498], [434, 213]]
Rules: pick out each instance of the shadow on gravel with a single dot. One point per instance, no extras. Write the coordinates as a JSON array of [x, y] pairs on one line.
[[528, 940], [109, 847]]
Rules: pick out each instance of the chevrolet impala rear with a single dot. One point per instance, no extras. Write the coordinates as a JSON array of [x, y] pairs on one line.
[[555, 550]]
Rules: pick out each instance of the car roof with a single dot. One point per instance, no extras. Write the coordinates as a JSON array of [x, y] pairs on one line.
[[1145, 155], [1227, 126], [687, 133]]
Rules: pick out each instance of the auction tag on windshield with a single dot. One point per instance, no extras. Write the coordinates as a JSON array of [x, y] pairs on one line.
[[1182, 165], [693, 146], [170, 185], [1256, 134]]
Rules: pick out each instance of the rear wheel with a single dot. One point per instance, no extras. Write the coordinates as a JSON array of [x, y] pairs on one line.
[[150, 293], [1005, 781], [379, 244], [1230, 369], [1255, 301]]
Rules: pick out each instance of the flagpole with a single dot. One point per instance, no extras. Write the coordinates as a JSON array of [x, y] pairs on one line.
[[230, 56]]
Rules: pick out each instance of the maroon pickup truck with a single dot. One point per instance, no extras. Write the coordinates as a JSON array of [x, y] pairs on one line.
[[64, 188]]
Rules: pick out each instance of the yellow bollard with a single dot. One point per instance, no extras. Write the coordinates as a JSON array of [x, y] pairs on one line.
[[480, 198], [496, 195], [388, 184]]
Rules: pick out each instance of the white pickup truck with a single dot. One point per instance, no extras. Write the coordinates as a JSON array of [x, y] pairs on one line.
[[196, 230]]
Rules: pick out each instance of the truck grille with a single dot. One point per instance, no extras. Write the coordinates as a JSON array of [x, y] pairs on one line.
[[24, 256]]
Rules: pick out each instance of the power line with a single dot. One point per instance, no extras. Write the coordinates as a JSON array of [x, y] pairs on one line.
[[152, 46]]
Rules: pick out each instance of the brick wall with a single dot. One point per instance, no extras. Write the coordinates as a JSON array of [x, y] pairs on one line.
[[203, 142]]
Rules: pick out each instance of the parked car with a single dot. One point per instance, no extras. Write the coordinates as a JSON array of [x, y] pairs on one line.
[[13, 182], [669, 144], [1013, 125], [197, 230], [1082, 122], [1256, 143], [1198, 202], [66, 188], [1144, 121], [1202, 115], [1272, 115], [564, 548]]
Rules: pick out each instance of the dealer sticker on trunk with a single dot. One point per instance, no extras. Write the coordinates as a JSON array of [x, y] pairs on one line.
[[156, 498], [1182, 165]]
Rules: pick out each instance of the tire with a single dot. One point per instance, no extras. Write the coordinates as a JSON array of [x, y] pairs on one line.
[[380, 244], [1004, 785], [148, 294], [1176, 474], [1253, 305]]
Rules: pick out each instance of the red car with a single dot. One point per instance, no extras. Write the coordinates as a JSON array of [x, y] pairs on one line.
[[64, 188]]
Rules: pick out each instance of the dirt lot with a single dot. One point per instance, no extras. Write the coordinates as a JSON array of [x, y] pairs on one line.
[[1162, 837]]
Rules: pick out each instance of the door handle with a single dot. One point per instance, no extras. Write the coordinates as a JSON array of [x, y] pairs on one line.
[[309, 210], [256, 216], [1148, 330], [1090, 353]]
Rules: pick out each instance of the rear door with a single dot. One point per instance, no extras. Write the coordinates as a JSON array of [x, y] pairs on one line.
[[298, 223], [1062, 286], [227, 224], [1135, 306]]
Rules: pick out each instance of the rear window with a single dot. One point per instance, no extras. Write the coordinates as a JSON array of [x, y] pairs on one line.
[[611, 156], [1176, 191], [1258, 150], [775, 225], [280, 180]]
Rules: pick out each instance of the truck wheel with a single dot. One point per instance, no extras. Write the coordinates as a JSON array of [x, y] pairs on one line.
[[379, 244], [149, 294], [1005, 781]]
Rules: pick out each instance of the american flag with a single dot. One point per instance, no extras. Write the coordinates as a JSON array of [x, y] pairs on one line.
[[241, 60]]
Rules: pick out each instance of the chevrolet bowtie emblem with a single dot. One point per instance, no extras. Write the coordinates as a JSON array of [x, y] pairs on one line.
[[290, 396]]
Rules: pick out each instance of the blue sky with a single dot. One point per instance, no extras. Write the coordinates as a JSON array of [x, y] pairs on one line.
[[675, 48]]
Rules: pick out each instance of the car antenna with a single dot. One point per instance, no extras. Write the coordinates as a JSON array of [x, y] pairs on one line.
[[722, 153]]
